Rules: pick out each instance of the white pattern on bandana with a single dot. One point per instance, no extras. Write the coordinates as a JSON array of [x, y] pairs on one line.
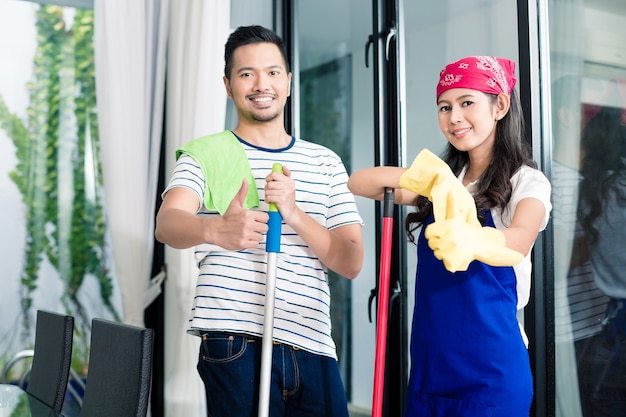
[[488, 63]]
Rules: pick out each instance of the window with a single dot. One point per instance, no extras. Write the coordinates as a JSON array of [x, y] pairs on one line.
[[54, 248], [588, 126]]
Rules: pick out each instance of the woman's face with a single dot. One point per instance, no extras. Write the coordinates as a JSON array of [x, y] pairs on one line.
[[468, 118]]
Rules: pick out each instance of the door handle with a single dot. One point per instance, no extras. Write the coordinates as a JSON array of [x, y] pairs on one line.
[[390, 35]]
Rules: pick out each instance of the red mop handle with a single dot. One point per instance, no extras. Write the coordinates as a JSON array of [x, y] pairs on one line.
[[383, 304]]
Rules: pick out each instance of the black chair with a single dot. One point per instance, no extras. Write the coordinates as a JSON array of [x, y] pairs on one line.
[[48, 375], [120, 370]]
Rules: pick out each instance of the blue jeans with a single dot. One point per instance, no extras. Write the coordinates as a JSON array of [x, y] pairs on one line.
[[303, 384], [602, 366]]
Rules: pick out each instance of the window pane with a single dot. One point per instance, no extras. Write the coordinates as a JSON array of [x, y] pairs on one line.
[[588, 117], [335, 109]]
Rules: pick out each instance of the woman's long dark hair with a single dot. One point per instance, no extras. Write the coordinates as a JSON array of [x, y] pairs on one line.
[[603, 142], [494, 187]]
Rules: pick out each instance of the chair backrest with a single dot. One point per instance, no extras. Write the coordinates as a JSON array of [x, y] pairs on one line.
[[120, 370], [52, 358]]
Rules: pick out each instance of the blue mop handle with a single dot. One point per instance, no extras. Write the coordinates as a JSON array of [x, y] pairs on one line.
[[275, 221]]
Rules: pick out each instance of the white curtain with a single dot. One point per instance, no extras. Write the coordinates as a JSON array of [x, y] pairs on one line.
[[196, 106], [130, 40]]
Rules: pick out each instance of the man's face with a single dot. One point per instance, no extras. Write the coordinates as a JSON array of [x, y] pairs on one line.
[[259, 82]]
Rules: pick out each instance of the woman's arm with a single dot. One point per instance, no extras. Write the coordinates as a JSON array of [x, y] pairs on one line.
[[525, 226], [371, 183]]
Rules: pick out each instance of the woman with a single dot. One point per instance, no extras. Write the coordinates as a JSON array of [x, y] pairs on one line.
[[468, 351]]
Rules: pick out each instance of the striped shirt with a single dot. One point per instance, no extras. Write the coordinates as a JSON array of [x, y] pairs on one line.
[[230, 290], [580, 305]]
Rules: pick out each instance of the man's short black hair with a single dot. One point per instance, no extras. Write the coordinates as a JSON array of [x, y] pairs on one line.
[[246, 35]]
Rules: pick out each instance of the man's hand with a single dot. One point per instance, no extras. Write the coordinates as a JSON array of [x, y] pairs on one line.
[[240, 228], [280, 189]]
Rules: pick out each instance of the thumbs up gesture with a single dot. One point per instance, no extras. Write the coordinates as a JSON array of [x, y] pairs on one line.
[[241, 228]]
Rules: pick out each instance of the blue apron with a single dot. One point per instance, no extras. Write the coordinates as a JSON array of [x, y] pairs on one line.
[[468, 357]]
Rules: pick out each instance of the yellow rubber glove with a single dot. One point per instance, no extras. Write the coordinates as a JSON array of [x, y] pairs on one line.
[[458, 243], [432, 177]]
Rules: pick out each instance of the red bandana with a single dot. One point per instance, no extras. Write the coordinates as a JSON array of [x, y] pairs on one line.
[[488, 74]]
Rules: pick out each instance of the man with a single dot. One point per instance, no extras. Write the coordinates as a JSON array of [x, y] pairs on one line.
[[217, 201]]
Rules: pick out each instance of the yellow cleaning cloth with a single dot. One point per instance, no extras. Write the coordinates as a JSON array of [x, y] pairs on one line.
[[224, 165]]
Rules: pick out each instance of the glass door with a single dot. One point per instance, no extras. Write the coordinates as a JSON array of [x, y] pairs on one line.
[[385, 113], [587, 52], [434, 35], [376, 115], [333, 105]]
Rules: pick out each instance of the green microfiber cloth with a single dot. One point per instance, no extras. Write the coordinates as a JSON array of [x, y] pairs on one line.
[[224, 164]]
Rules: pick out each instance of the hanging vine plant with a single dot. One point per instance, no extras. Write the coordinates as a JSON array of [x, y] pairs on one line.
[[58, 172]]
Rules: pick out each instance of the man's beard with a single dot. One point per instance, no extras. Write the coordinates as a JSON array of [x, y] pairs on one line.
[[264, 117]]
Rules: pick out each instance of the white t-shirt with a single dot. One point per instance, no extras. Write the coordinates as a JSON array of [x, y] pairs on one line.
[[527, 183]]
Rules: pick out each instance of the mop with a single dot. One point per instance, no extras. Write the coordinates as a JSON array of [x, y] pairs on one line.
[[272, 247], [383, 304]]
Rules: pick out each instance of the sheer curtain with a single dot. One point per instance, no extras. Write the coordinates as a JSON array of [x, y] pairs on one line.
[[196, 106], [129, 38], [130, 44]]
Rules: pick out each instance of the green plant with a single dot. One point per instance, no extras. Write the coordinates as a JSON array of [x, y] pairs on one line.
[[58, 171]]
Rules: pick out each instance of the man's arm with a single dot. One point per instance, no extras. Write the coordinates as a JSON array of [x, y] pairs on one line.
[[178, 225], [340, 249]]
